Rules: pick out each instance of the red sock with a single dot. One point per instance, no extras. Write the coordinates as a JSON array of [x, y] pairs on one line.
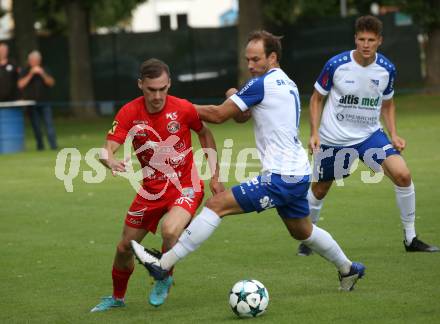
[[171, 271], [120, 281]]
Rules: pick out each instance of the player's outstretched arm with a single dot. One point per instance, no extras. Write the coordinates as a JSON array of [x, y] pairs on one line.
[[389, 117], [242, 116], [218, 114], [207, 142], [316, 105], [107, 157]]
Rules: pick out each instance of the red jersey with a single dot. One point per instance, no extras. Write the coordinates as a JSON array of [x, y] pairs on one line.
[[162, 141]]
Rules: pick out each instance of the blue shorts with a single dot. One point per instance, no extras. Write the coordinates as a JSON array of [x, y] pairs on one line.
[[288, 194], [333, 163]]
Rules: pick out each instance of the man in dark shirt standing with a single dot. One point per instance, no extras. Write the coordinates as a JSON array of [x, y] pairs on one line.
[[8, 75], [34, 81]]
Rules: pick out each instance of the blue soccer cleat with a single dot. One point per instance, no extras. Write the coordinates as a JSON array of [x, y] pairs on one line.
[[347, 282], [160, 291], [107, 303], [150, 260]]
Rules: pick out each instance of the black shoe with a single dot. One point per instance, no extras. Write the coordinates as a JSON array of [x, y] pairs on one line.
[[304, 250], [420, 246]]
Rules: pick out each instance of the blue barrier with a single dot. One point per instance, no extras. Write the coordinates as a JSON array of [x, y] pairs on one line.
[[11, 130], [12, 125]]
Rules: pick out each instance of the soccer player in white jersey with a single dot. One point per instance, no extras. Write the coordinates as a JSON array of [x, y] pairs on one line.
[[273, 101], [359, 88]]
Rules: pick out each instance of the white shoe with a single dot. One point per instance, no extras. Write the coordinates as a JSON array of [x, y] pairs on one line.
[[150, 260], [347, 282]]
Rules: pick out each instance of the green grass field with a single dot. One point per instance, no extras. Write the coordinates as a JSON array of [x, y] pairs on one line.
[[57, 247]]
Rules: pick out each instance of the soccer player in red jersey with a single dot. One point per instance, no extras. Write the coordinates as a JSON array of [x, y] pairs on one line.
[[159, 128]]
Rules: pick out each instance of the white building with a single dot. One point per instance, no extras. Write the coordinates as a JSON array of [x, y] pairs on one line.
[[155, 15], [6, 21]]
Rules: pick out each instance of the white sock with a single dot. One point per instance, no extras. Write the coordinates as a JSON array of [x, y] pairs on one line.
[[197, 232], [406, 201], [315, 206], [323, 243]]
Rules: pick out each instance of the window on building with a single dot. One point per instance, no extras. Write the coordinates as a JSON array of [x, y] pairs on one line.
[[182, 21], [165, 22]]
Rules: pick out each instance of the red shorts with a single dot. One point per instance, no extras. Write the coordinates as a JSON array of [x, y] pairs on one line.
[[146, 214]]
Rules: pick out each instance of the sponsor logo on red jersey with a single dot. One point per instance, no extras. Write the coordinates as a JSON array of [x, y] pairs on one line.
[[173, 127]]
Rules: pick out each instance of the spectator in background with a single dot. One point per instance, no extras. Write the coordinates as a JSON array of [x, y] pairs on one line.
[[34, 81], [8, 75]]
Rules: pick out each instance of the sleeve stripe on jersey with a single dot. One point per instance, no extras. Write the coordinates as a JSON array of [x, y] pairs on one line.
[[320, 89], [240, 103]]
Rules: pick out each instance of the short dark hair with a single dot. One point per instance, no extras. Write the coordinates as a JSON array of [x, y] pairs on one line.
[[153, 68], [369, 24], [271, 42]]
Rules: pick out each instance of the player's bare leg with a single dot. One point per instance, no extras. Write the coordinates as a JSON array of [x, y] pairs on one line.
[[320, 189], [123, 266], [124, 259], [322, 243], [396, 169], [315, 196], [172, 227]]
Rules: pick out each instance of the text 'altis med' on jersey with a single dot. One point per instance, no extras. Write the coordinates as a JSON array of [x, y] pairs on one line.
[[275, 106], [355, 93]]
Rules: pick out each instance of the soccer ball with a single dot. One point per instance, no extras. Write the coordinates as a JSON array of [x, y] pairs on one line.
[[248, 298]]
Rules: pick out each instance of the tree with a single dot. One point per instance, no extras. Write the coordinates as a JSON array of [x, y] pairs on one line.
[[77, 18], [25, 38], [81, 83], [427, 14], [251, 18], [114, 14]]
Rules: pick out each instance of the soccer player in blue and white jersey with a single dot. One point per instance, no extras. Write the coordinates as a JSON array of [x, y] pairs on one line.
[[273, 101], [358, 85]]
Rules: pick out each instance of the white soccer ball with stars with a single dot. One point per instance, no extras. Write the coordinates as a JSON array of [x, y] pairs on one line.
[[249, 298]]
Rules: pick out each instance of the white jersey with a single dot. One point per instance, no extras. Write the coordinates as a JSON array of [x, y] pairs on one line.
[[355, 93], [275, 107]]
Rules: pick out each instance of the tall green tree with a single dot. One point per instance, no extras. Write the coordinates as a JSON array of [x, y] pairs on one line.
[[76, 19]]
